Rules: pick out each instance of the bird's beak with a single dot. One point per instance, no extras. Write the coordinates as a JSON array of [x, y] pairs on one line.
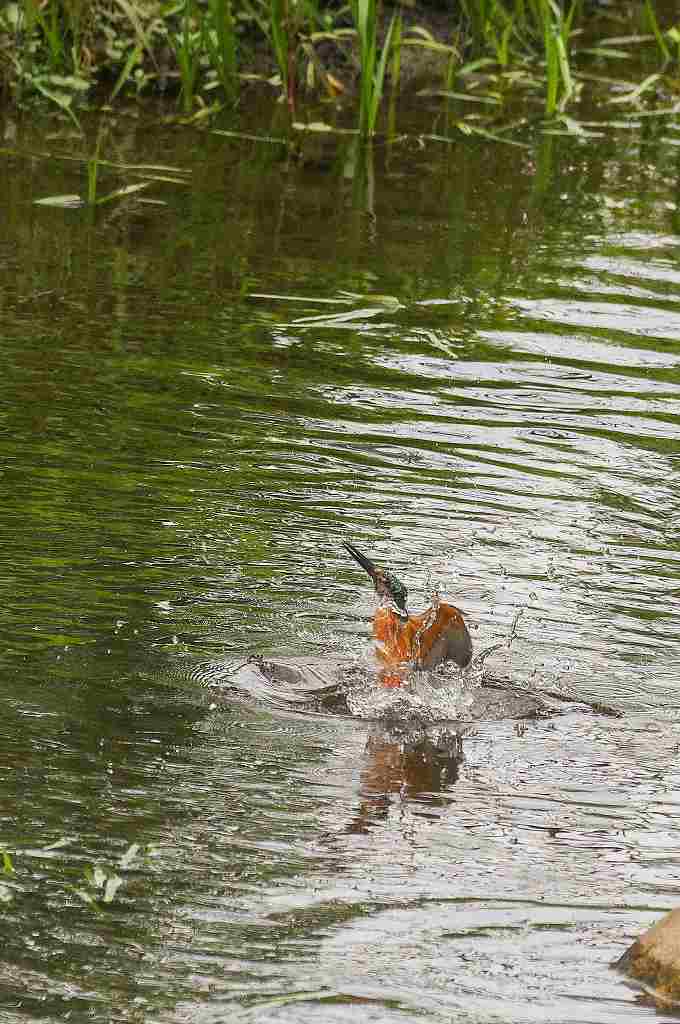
[[381, 580], [364, 562]]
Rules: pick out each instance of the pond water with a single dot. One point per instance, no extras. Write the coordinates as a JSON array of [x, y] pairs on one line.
[[465, 359]]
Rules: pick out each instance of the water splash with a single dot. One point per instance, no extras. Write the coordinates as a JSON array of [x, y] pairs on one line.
[[443, 694], [430, 696], [502, 645]]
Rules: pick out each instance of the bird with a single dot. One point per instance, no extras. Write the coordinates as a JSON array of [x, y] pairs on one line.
[[437, 635]]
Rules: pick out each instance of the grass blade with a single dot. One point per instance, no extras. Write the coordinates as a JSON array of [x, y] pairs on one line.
[[125, 73], [379, 79]]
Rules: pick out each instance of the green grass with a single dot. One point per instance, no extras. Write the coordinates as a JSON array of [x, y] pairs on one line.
[[222, 46], [55, 51], [373, 62]]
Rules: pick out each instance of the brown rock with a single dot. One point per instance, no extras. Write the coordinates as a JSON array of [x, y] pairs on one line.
[[654, 959]]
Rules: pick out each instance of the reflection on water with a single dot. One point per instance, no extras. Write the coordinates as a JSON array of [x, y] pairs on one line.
[[466, 360], [409, 763]]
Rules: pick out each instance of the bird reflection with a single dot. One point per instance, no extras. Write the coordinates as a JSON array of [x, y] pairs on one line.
[[405, 765]]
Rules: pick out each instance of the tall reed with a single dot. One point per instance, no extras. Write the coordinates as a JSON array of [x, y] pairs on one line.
[[652, 21], [186, 45], [222, 46], [556, 32], [372, 67], [283, 41]]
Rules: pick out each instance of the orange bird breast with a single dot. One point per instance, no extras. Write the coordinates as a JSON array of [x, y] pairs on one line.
[[426, 640]]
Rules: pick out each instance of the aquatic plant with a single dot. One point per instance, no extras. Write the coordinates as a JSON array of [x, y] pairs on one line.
[[490, 27], [556, 32], [510, 32], [187, 48], [7, 868], [58, 49], [373, 67], [652, 21], [296, 27], [282, 36], [222, 45]]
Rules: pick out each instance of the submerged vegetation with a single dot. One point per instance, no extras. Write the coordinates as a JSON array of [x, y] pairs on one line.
[[204, 53]]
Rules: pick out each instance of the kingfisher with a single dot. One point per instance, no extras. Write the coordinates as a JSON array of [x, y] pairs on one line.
[[438, 634]]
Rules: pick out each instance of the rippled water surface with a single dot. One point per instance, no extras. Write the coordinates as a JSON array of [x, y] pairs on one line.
[[467, 360]]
